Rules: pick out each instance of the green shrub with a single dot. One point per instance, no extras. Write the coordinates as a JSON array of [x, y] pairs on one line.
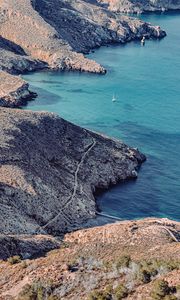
[[14, 260], [37, 291], [178, 287], [107, 265], [167, 264], [28, 293], [160, 290], [121, 292], [144, 276], [170, 297], [65, 245], [145, 272], [100, 295], [149, 269], [24, 264], [123, 262], [109, 289], [173, 264]]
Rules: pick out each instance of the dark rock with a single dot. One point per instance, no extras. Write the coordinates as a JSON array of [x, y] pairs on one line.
[[13, 90], [54, 31], [49, 169], [134, 6], [26, 246]]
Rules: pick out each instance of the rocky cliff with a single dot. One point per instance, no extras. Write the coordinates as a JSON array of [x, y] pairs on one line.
[[49, 170], [134, 6], [54, 31]]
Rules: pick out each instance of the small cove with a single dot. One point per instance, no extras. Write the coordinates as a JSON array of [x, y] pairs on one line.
[[146, 82]]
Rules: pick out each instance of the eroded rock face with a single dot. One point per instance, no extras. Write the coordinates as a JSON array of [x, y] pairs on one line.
[[26, 246], [14, 60], [13, 90], [134, 6], [54, 31], [17, 64], [41, 34], [49, 169], [85, 26], [23, 26]]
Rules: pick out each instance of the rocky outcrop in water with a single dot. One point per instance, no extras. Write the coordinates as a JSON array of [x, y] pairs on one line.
[[134, 6], [49, 170], [13, 90]]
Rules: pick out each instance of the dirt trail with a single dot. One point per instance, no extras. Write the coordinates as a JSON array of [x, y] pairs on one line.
[[89, 148]]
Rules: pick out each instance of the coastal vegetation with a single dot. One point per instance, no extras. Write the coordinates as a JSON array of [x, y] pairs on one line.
[[14, 259], [122, 284], [38, 291]]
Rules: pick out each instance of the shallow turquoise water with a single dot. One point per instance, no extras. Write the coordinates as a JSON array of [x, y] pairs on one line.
[[146, 82]]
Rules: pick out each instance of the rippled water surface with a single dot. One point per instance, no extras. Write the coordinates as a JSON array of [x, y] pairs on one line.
[[146, 82]]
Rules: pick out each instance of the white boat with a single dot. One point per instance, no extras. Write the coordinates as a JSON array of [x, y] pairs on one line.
[[143, 41], [113, 98]]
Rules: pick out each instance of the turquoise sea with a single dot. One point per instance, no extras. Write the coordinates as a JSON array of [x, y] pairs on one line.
[[146, 82]]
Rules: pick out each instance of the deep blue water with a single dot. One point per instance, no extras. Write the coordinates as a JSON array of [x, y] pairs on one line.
[[146, 82]]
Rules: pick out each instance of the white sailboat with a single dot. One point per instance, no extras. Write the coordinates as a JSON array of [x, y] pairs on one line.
[[113, 98], [143, 41]]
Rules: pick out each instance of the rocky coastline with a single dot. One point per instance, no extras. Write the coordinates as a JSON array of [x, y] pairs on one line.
[[13, 90], [42, 34], [138, 7], [49, 189], [51, 169]]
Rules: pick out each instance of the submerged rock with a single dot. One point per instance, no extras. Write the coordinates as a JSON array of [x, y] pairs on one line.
[[50, 168]]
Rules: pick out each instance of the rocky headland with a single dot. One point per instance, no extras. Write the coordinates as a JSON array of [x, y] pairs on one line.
[[53, 34], [13, 90], [134, 6], [50, 170], [54, 31]]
